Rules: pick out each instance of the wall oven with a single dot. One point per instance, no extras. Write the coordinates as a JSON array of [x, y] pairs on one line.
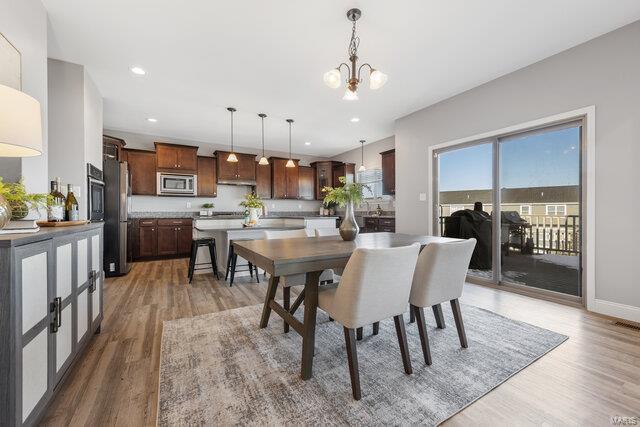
[[95, 191], [171, 184]]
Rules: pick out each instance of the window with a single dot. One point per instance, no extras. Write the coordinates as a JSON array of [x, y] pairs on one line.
[[373, 179], [557, 210], [525, 209]]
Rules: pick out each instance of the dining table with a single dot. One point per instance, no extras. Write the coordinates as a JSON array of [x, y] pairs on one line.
[[311, 256]]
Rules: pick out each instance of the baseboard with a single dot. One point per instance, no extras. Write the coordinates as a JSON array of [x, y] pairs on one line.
[[614, 309]]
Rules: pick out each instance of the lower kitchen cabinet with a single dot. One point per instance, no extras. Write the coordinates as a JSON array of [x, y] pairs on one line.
[[162, 237], [49, 309], [376, 224]]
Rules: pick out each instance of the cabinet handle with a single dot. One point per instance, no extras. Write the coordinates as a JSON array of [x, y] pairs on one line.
[[153, 229], [178, 228], [93, 275], [56, 307]]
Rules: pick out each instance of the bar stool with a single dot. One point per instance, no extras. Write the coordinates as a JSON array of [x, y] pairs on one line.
[[210, 242], [232, 259]]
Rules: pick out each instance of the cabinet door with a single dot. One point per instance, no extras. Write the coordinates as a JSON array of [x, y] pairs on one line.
[[147, 241], [279, 178], [207, 185], [96, 268], [63, 289], [33, 264], [292, 178], [246, 167], [167, 240], [324, 178], [166, 157], [263, 181], [389, 172], [187, 159], [82, 285], [227, 171], [184, 239], [142, 167], [306, 183]]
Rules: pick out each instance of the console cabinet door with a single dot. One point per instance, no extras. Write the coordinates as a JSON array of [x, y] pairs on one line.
[[64, 250], [95, 288], [33, 265], [82, 286]]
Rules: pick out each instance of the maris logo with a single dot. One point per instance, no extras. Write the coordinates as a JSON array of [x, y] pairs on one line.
[[625, 421]]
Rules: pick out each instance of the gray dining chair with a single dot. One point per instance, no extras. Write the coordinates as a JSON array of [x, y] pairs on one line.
[[375, 286], [294, 279], [439, 277]]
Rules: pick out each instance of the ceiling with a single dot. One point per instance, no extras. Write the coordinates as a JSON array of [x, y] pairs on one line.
[[269, 56]]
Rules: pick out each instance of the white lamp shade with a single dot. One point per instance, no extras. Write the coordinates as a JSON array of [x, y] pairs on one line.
[[350, 95], [20, 124], [332, 78], [263, 161], [362, 168], [377, 79], [290, 164], [232, 158]]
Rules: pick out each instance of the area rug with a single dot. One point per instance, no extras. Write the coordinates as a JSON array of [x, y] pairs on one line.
[[221, 369]]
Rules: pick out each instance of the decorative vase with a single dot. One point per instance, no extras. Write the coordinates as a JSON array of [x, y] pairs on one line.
[[5, 212], [349, 227], [254, 215], [19, 210]]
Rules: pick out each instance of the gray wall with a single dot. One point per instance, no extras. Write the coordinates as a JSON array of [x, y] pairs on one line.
[[604, 72]]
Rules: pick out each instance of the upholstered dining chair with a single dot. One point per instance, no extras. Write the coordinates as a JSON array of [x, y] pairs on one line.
[[375, 286], [295, 279], [439, 277], [328, 231]]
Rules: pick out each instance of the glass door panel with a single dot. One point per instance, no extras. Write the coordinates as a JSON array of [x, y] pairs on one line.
[[540, 207], [465, 199]]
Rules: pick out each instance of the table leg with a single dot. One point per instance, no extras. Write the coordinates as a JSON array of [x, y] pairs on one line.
[[271, 294], [309, 335]]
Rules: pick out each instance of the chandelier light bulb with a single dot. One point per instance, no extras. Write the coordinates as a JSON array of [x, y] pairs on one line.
[[263, 161], [232, 158], [377, 79], [350, 95], [332, 78]]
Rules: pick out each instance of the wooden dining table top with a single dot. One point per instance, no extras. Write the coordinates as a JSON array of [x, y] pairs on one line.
[[281, 257]]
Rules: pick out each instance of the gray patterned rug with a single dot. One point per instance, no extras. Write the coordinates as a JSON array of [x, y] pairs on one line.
[[221, 369]]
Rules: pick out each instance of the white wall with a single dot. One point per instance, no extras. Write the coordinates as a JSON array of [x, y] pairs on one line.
[[228, 195], [24, 24], [602, 72]]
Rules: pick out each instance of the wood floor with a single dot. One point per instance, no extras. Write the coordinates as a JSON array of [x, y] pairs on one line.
[[585, 381]]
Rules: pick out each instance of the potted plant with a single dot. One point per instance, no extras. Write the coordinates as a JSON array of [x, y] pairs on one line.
[[209, 207], [254, 205], [346, 195], [19, 201]]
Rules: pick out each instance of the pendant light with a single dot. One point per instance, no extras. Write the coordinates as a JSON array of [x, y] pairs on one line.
[[232, 156], [263, 160], [290, 163], [362, 168]]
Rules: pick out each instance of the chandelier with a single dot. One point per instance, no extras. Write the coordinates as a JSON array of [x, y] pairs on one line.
[[333, 78]]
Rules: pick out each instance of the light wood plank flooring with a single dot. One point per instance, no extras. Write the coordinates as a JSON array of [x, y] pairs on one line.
[[588, 379]]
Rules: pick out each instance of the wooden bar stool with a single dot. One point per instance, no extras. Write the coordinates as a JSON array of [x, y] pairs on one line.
[[232, 267], [210, 242]]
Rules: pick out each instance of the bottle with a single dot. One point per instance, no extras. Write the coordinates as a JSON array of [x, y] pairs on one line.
[[71, 205], [56, 206]]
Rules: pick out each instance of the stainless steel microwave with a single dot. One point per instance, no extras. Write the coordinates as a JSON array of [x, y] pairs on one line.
[[171, 184]]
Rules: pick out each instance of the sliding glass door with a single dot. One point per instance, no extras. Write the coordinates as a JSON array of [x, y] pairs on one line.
[[519, 195]]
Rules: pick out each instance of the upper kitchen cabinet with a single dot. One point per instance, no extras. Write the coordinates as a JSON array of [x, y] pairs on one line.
[[112, 147], [306, 183], [142, 168], [323, 176], [263, 181], [285, 181], [176, 158], [207, 182], [389, 172], [348, 170], [242, 172]]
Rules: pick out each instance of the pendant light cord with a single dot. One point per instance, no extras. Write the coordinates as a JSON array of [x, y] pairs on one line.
[[262, 118], [232, 131], [290, 140]]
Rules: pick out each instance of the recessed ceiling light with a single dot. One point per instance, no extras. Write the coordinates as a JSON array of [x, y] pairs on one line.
[[307, 143], [152, 120], [355, 120], [138, 70]]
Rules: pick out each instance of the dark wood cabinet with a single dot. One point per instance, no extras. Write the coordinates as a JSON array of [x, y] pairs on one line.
[[176, 158], [207, 182], [263, 181], [323, 176], [348, 170], [389, 172], [285, 181], [306, 183], [241, 172], [162, 237], [142, 168], [376, 224], [112, 147]]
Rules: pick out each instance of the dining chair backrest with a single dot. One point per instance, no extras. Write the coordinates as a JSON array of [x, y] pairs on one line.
[[327, 231], [375, 285], [440, 272], [285, 234]]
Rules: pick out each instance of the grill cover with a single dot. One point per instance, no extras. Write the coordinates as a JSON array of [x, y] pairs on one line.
[[466, 224]]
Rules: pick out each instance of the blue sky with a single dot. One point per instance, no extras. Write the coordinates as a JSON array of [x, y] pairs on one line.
[[541, 160]]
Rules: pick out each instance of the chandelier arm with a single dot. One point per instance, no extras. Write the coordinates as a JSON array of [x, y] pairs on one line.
[[360, 68]]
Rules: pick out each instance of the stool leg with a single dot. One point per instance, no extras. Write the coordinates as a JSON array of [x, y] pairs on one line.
[[192, 259], [234, 260], [229, 256], [257, 275], [212, 255], [251, 270], [286, 296]]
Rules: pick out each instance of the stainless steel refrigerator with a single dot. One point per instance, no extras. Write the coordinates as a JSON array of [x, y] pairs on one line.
[[117, 198]]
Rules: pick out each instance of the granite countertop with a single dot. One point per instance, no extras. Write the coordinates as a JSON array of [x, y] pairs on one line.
[[266, 217], [258, 228], [45, 233], [226, 215], [379, 216]]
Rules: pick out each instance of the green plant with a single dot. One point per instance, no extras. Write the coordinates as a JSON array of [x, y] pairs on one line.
[[347, 193], [251, 201], [21, 201], [207, 205]]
